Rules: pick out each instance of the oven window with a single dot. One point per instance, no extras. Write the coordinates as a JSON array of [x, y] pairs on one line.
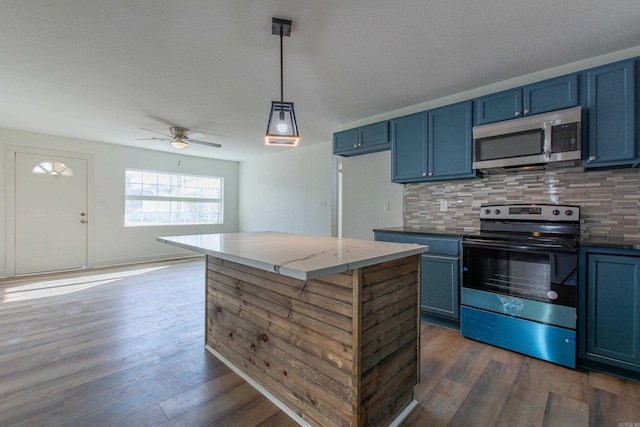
[[546, 277], [528, 143]]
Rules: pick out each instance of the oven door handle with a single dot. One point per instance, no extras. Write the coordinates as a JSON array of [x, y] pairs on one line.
[[514, 247]]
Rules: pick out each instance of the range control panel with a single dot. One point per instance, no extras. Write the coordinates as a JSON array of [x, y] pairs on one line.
[[531, 212]]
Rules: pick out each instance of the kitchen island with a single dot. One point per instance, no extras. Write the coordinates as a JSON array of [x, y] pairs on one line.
[[326, 328]]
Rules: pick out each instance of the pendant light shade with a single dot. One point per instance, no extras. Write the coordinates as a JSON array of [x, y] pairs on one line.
[[282, 128]]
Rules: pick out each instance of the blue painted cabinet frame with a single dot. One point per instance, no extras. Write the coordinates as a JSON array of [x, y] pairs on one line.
[[609, 310]]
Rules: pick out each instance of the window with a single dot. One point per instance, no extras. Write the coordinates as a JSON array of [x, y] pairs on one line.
[[158, 198], [51, 167]]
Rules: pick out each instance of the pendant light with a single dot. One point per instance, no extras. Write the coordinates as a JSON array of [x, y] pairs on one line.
[[282, 128]]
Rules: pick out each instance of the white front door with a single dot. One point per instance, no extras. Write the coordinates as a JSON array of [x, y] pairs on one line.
[[51, 213]]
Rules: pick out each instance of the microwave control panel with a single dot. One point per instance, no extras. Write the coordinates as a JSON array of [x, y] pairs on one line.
[[565, 137]]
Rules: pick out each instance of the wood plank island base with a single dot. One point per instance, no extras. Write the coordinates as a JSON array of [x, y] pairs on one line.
[[327, 328]]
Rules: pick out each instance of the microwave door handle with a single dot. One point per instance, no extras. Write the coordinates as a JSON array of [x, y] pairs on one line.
[[547, 140]]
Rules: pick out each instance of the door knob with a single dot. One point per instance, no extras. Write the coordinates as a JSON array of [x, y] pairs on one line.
[[83, 221], [82, 214]]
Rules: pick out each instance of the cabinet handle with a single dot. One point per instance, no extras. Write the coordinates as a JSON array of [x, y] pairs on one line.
[[517, 113], [526, 111], [424, 174], [591, 158], [430, 173], [355, 145]]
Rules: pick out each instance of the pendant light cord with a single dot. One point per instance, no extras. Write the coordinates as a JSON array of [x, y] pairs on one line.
[[281, 66]]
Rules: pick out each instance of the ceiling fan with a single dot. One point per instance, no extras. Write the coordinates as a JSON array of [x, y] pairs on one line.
[[179, 138]]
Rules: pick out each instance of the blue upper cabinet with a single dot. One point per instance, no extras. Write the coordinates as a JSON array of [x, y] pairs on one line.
[[433, 145], [499, 106], [450, 145], [611, 102], [548, 95], [363, 140], [409, 148], [345, 141]]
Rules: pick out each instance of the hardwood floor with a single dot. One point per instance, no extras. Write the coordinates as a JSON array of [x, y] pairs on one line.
[[125, 347]]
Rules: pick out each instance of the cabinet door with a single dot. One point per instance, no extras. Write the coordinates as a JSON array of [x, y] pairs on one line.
[[613, 309], [611, 115], [499, 106], [550, 95], [345, 141], [374, 135], [409, 148], [439, 290], [450, 145]]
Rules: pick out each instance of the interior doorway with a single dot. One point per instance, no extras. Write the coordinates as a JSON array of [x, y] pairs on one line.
[[50, 213]]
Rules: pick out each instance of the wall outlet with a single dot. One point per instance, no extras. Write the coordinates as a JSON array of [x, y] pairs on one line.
[[443, 206], [387, 206]]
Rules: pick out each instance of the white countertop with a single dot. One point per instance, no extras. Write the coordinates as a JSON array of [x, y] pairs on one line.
[[299, 256]]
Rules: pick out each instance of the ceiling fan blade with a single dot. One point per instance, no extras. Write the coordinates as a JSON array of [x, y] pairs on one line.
[[153, 138], [155, 131], [196, 135], [209, 144]]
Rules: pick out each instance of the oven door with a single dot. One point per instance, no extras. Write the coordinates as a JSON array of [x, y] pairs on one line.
[[522, 281]]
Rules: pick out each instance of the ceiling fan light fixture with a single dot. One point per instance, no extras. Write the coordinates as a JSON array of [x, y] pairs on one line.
[[179, 143], [282, 129]]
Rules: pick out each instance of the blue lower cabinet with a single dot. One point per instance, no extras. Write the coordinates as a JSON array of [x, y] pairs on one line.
[[439, 272], [609, 310], [440, 290]]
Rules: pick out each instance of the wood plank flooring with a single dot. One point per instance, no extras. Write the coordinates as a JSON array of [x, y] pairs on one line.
[[125, 347]]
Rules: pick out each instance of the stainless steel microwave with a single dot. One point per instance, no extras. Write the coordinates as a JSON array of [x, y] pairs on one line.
[[536, 140]]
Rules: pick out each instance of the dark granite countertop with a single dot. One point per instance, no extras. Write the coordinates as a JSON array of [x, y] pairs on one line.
[[611, 242], [448, 232]]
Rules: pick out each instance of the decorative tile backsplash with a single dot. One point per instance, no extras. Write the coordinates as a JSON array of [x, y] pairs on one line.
[[609, 200]]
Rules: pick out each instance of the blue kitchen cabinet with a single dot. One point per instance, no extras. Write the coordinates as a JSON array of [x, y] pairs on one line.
[[548, 95], [439, 272], [345, 141], [409, 148], [440, 289], [433, 145], [499, 106], [610, 112], [363, 140], [609, 310], [450, 147]]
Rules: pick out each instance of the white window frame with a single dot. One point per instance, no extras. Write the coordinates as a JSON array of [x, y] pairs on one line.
[[173, 198]]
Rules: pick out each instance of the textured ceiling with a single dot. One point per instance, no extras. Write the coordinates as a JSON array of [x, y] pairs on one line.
[[104, 70]]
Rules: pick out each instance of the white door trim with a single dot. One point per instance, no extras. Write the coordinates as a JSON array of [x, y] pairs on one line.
[[10, 226]]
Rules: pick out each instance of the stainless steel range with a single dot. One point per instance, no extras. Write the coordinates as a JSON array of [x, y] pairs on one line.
[[519, 280]]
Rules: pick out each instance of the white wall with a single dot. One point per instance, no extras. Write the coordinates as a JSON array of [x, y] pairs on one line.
[[112, 242], [367, 191], [288, 191]]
